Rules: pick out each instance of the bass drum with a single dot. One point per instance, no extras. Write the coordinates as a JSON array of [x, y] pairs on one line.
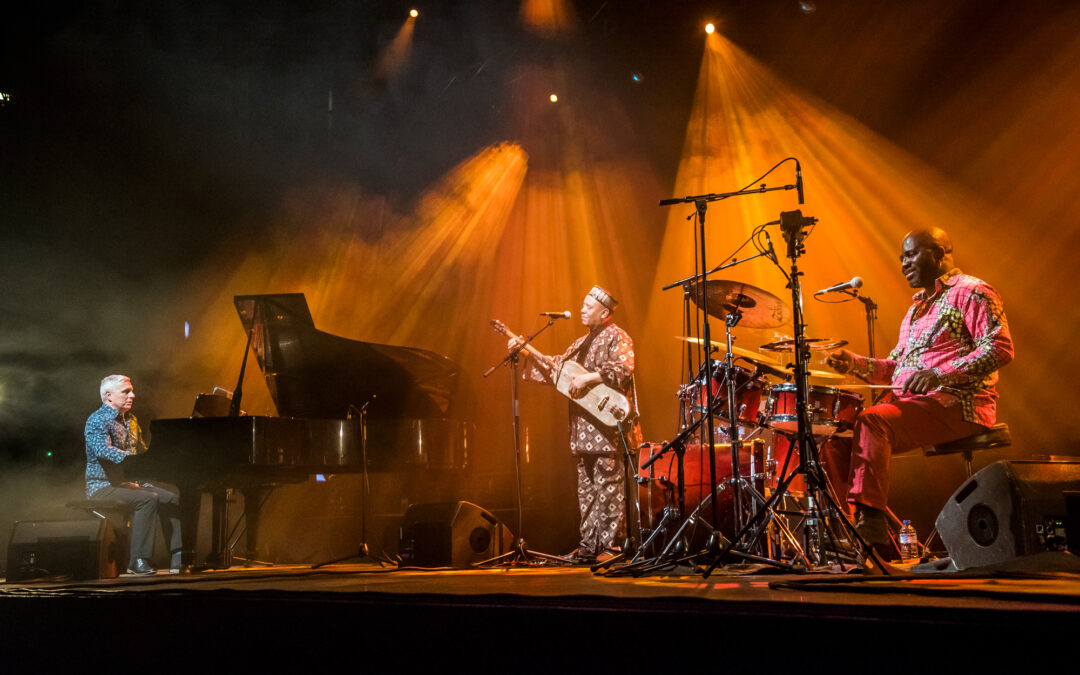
[[660, 490]]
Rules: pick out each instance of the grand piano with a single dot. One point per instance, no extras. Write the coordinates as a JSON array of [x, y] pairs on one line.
[[339, 401]]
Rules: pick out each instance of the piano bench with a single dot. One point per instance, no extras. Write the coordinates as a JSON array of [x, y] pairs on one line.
[[102, 508], [997, 436]]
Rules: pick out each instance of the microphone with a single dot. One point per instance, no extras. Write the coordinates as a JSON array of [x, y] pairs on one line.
[[772, 251], [556, 315], [856, 282], [798, 183]]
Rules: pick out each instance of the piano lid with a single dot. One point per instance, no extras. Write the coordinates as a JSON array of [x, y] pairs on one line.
[[315, 374]]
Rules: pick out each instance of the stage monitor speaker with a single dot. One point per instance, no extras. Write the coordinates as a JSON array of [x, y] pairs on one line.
[[451, 534], [79, 549], [1007, 510]]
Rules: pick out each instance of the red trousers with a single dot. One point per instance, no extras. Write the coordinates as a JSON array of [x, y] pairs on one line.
[[859, 466]]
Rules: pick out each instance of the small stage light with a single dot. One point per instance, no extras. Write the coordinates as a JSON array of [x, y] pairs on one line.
[[807, 7], [709, 28], [636, 77], [553, 98], [414, 13]]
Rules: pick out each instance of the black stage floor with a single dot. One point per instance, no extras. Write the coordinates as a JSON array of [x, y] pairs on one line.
[[368, 618]]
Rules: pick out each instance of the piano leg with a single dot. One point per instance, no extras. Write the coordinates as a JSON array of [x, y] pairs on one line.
[[253, 500], [190, 502], [220, 554]]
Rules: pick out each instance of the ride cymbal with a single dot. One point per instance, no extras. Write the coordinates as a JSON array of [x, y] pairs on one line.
[[759, 308]]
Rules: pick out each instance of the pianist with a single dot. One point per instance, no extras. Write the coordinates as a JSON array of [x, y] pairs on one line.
[[112, 434]]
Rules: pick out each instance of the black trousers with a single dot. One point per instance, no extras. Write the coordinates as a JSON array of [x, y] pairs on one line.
[[150, 503]]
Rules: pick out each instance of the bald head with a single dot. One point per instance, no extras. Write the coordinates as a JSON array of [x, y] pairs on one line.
[[926, 255]]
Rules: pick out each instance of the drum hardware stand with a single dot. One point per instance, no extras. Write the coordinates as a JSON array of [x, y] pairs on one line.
[[671, 514], [365, 550], [820, 500], [694, 519], [520, 554], [678, 445]]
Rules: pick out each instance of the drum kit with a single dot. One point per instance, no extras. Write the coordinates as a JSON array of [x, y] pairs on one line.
[[766, 419], [771, 414]]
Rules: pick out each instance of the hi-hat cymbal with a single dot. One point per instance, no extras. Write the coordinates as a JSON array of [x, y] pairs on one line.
[[759, 308], [811, 343], [737, 351]]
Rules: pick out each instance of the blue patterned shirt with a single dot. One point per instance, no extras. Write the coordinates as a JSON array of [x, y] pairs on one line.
[[109, 436]]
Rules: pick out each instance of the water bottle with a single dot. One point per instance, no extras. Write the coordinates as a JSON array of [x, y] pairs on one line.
[[909, 541]]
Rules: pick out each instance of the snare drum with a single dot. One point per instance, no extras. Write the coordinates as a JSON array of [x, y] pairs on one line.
[[748, 393], [831, 409]]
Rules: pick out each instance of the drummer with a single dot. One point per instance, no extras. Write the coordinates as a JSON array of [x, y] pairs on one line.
[[952, 342]]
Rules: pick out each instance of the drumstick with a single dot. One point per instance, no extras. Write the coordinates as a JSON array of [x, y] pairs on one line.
[[886, 386]]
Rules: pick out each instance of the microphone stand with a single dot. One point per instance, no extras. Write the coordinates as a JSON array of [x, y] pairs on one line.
[[821, 501], [364, 550], [520, 554], [871, 316]]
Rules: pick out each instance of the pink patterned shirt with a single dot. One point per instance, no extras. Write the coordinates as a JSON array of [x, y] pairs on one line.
[[960, 332]]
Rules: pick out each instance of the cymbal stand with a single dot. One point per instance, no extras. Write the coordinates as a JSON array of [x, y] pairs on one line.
[[823, 509], [674, 510], [520, 554]]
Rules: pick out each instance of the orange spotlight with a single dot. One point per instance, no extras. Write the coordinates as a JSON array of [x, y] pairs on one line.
[[414, 13], [396, 54], [553, 98], [548, 17], [710, 29]]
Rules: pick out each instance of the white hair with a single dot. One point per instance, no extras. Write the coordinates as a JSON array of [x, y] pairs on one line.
[[112, 383]]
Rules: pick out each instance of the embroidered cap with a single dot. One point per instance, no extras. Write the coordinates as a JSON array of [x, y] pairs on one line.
[[603, 297]]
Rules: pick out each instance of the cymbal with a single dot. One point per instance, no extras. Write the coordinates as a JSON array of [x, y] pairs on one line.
[[760, 308], [737, 351], [824, 375], [812, 343]]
